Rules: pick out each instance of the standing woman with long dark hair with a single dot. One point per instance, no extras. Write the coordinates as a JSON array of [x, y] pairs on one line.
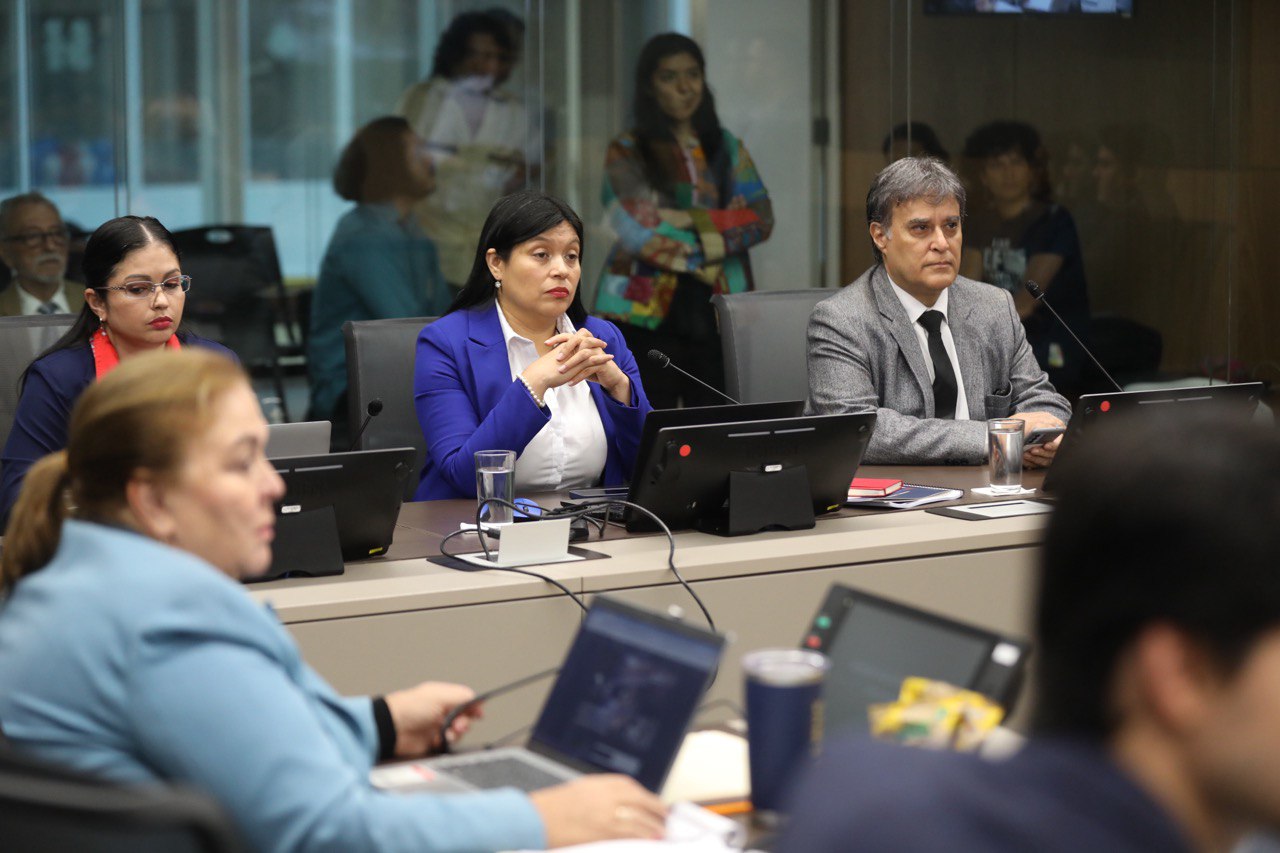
[[134, 295], [686, 203]]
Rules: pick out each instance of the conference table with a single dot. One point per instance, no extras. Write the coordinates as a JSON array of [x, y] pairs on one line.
[[399, 619]]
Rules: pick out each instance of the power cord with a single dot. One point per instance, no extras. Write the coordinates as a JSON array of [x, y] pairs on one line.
[[584, 509], [484, 533]]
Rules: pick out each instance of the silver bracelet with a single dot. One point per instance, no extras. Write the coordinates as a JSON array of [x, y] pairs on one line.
[[529, 388]]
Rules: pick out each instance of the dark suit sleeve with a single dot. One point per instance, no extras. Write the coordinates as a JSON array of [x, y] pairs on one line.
[[448, 411], [39, 427], [625, 422], [845, 370]]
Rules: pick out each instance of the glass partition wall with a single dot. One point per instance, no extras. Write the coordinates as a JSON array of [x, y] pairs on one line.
[[1157, 130], [1152, 130]]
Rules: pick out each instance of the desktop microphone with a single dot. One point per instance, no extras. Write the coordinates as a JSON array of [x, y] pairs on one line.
[[1038, 295], [664, 360], [371, 411]]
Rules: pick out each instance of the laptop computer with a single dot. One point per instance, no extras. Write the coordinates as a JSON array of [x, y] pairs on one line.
[[622, 703], [874, 643], [739, 477], [1241, 397], [357, 494], [307, 438]]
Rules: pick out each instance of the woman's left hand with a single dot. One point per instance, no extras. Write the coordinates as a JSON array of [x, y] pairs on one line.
[[419, 712], [584, 348]]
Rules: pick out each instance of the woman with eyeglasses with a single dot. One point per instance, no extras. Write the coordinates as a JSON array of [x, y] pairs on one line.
[[134, 295], [130, 650]]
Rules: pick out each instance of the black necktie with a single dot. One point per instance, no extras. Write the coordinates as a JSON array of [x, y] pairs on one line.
[[944, 378], [49, 307]]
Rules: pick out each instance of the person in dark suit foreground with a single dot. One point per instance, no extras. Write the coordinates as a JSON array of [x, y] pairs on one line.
[[1158, 645], [129, 648], [932, 353], [516, 364]]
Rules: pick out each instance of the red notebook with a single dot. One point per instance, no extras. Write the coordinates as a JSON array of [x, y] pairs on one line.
[[871, 487]]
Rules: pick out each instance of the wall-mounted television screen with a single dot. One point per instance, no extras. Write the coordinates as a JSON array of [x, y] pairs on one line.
[[1029, 7]]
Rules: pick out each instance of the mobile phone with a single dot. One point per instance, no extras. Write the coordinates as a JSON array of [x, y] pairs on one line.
[[619, 492], [1043, 435]]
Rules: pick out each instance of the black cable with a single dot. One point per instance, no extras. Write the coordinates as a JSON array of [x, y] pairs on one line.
[[583, 509], [462, 708], [482, 533]]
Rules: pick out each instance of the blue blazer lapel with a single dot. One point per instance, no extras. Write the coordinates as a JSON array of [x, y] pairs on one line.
[[487, 355], [905, 336]]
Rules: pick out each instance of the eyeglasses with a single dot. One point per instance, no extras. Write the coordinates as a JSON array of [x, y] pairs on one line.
[[35, 239], [147, 289]]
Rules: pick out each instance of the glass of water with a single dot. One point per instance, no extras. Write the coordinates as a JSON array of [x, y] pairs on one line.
[[496, 478], [1004, 455]]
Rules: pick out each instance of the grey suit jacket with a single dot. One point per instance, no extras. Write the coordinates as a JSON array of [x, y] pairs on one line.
[[864, 356], [11, 303]]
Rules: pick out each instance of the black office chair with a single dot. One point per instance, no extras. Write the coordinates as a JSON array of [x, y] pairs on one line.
[[237, 294], [21, 340], [44, 807], [380, 359], [763, 335]]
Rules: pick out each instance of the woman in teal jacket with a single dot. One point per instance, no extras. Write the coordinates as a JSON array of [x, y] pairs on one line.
[[130, 650]]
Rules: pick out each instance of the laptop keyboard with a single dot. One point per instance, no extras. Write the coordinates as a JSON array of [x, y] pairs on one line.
[[503, 772]]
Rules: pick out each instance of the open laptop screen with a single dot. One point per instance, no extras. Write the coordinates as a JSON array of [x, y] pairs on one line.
[[873, 644], [626, 693]]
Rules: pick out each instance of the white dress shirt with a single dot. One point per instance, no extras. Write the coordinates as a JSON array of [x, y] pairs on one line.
[[31, 305], [570, 451], [914, 308]]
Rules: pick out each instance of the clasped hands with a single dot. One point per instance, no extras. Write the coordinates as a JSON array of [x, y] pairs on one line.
[[576, 358]]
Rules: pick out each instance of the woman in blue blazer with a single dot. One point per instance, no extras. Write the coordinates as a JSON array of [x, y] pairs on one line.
[[516, 364]]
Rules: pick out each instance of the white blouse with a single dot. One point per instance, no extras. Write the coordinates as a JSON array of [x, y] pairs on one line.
[[570, 451]]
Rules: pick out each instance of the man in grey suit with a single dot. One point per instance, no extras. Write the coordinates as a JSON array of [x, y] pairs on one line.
[[933, 354], [34, 245]]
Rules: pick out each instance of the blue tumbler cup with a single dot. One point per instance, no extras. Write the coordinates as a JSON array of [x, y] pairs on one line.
[[784, 720]]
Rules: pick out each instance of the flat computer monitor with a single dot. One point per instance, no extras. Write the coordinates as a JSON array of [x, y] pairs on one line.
[[337, 507], [746, 476], [663, 418], [874, 643], [1241, 398]]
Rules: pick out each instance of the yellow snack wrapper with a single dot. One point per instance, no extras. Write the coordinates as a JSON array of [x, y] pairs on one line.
[[935, 714]]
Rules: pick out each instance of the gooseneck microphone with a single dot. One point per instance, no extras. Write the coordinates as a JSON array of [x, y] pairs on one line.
[[371, 411], [1038, 295], [664, 360]]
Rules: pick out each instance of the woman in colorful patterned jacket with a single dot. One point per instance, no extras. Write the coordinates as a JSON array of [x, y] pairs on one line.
[[686, 203]]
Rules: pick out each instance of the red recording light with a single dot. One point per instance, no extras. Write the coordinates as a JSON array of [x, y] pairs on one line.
[[1105, 406], [685, 450]]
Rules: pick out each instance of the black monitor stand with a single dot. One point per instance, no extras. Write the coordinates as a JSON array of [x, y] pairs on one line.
[[764, 500]]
